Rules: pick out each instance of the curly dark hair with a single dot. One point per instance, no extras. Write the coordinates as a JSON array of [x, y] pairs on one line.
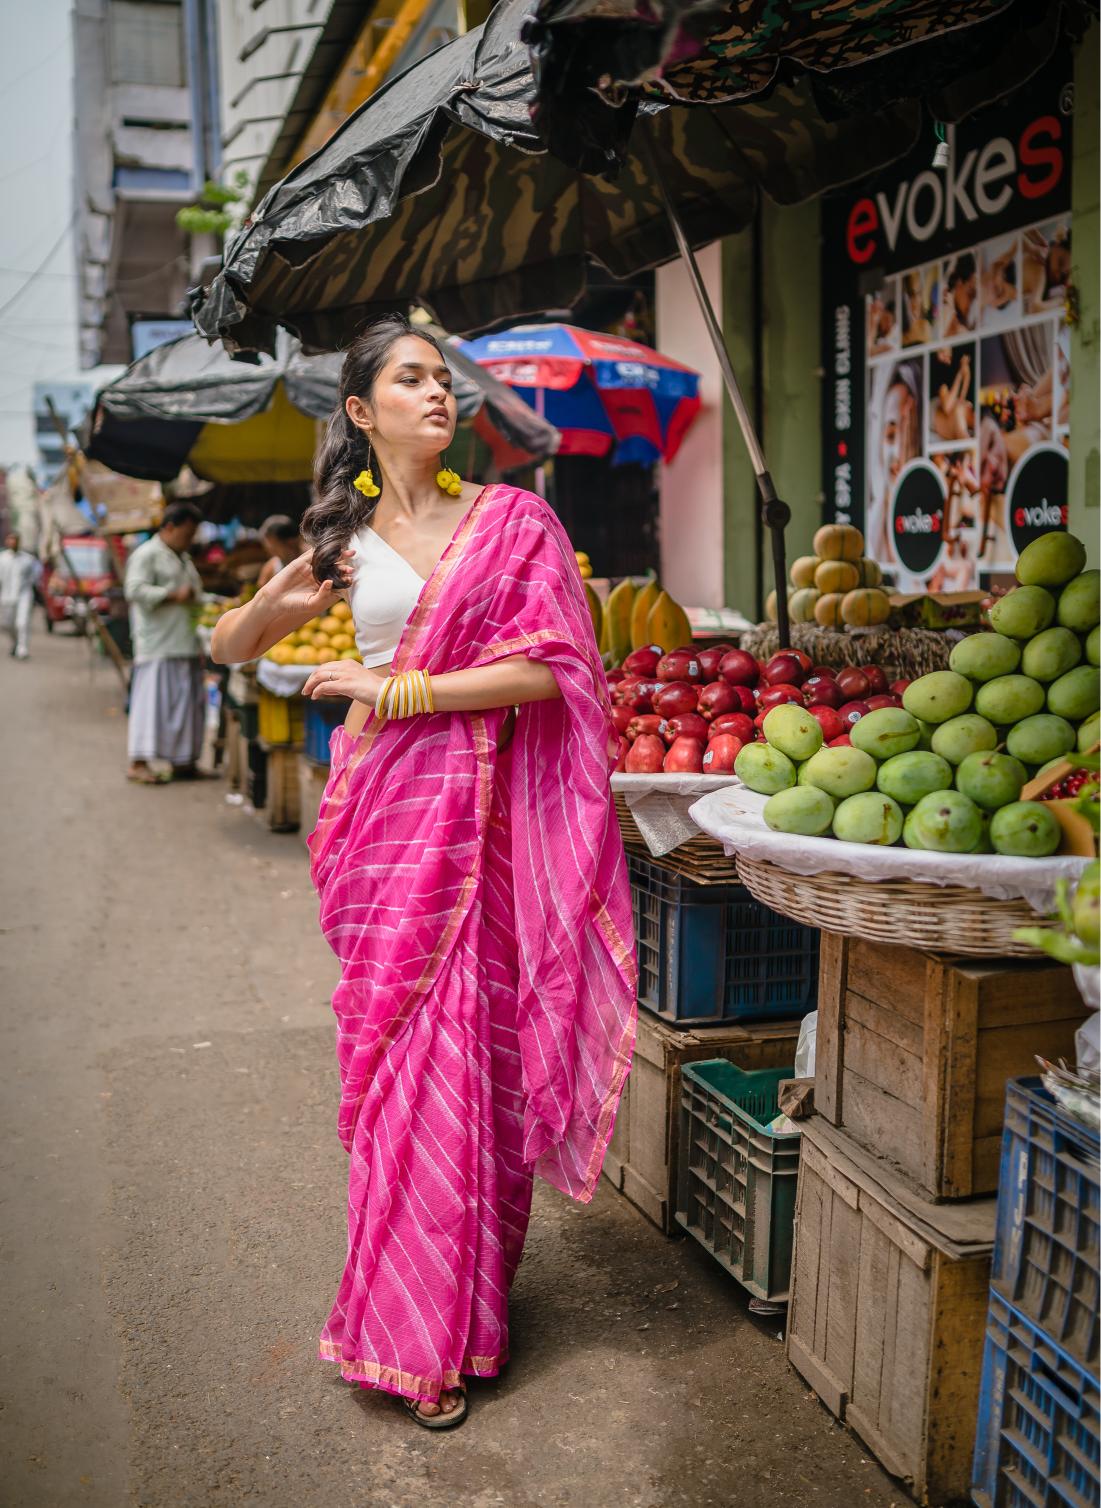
[[339, 510]]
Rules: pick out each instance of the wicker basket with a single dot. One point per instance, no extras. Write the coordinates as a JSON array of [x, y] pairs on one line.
[[906, 913], [701, 858]]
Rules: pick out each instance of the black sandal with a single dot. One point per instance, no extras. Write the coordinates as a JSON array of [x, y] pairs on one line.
[[452, 1420]]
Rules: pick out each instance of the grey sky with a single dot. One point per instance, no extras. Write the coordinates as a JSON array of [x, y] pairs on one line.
[[38, 324]]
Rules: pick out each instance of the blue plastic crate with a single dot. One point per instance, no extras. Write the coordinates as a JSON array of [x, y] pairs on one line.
[[1046, 1250], [1037, 1444], [736, 1180], [321, 718], [711, 953]]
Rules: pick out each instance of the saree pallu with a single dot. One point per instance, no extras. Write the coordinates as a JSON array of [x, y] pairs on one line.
[[478, 903]]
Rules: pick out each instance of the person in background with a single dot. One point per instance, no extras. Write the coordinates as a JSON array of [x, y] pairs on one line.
[[280, 537], [19, 573], [162, 587]]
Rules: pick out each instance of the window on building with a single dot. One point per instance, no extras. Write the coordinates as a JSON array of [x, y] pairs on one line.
[[147, 43]]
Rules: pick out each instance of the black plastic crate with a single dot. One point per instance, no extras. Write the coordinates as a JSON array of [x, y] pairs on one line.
[[711, 953], [1046, 1251]]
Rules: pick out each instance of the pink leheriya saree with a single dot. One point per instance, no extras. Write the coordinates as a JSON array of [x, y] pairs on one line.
[[478, 903]]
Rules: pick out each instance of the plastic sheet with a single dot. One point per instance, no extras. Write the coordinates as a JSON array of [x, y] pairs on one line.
[[734, 817]]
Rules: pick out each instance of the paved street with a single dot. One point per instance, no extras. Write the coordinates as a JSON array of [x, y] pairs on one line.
[[173, 1203]]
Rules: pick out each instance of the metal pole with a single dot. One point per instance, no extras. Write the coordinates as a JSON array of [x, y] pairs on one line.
[[776, 514]]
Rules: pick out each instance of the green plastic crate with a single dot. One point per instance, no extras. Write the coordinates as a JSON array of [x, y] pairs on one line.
[[736, 1180]]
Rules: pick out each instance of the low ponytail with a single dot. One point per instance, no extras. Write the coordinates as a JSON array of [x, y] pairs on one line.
[[339, 510]]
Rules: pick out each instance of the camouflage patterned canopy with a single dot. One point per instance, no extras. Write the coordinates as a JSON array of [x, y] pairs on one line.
[[439, 191], [718, 51]]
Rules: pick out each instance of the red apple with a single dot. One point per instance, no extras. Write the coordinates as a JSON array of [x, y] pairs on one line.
[[877, 681], [685, 755], [621, 716], [613, 677], [621, 758], [823, 690], [688, 725], [710, 660], [852, 712], [772, 696], [759, 720], [719, 698], [739, 668], [747, 698], [675, 698], [786, 669], [679, 665], [642, 723], [827, 670], [643, 662], [829, 720], [898, 687], [737, 724], [843, 742], [720, 754], [645, 756], [886, 700], [853, 682], [804, 660]]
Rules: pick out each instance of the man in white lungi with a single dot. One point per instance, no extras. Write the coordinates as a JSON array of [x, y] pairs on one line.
[[19, 573], [163, 589]]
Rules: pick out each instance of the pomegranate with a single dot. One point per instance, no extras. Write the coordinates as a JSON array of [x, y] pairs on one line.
[[735, 723], [898, 687], [772, 696], [852, 712], [645, 756], [828, 719], [719, 698], [843, 741], [685, 755], [876, 679], [710, 660], [679, 665], [675, 698], [785, 669], [853, 682], [643, 662], [720, 754], [823, 691], [886, 700], [688, 725], [739, 668], [643, 723]]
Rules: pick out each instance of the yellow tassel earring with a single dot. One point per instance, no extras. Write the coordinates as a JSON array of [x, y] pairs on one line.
[[449, 481], [365, 481]]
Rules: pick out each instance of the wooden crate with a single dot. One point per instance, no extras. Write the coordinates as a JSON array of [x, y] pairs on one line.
[[888, 1309], [914, 1050], [312, 779], [641, 1160], [281, 804]]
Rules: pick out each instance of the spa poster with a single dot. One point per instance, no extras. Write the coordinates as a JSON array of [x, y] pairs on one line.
[[946, 345]]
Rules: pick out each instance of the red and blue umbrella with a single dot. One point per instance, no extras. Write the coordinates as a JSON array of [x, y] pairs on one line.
[[598, 390]]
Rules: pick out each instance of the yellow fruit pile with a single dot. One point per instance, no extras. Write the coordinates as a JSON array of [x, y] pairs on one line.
[[837, 586], [322, 639]]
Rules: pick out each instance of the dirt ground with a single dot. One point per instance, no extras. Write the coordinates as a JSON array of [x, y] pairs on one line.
[[173, 1203]]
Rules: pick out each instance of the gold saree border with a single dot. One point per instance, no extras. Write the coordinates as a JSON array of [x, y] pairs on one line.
[[393, 1380]]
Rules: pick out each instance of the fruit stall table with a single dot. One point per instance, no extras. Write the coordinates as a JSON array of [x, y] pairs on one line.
[[927, 1005]]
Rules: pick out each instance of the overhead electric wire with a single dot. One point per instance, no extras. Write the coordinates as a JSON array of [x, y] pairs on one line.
[[30, 279]]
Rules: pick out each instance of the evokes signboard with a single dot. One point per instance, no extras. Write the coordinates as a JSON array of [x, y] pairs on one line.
[[946, 348]]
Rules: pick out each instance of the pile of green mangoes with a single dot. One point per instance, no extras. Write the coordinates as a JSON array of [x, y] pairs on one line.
[[945, 770]]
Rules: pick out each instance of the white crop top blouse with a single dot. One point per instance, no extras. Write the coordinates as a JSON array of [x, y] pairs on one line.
[[382, 596]]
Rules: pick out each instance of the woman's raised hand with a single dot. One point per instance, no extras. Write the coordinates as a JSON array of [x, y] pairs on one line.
[[294, 590]]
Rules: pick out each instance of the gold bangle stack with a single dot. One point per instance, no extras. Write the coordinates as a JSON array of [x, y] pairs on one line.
[[405, 695]]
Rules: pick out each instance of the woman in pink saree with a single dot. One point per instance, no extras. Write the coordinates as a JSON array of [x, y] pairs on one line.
[[471, 880]]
